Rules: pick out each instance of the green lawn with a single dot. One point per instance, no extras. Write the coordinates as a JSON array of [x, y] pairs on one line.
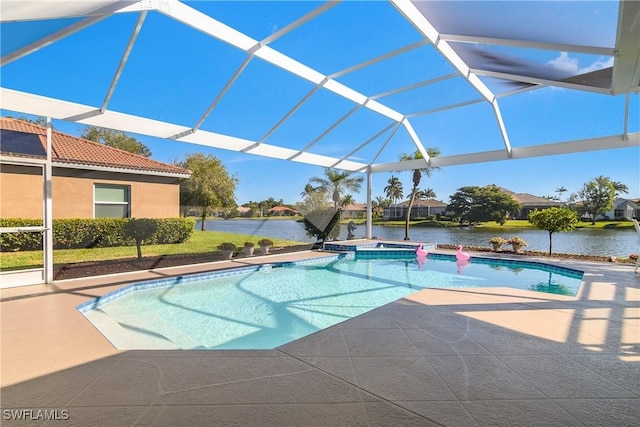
[[200, 242]]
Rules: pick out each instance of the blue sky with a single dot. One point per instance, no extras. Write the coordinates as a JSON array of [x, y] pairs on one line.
[[174, 73]]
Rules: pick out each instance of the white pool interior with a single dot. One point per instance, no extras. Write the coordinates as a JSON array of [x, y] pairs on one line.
[[268, 306]]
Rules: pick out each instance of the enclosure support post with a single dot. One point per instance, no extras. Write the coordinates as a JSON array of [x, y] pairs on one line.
[[48, 212], [369, 212]]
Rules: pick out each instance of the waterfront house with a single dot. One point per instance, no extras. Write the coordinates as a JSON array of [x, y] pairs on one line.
[[420, 209]]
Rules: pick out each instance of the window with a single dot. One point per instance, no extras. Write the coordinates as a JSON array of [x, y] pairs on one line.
[[111, 201]]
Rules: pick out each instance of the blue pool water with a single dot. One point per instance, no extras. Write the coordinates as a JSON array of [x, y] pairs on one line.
[[265, 307]]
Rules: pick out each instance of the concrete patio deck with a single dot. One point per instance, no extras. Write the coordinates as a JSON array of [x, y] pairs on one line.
[[463, 357]]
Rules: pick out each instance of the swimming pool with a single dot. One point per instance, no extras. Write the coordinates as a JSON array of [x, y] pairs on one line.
[[267, 306]]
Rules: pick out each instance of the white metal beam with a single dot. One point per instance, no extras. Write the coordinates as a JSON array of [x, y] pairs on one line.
[[364, 144], [445, 108], [393, 132], [542, 150], [316, 12], [415, 86], [323, 134], [123, 61], [63, 110], [538, 81], [216, 29], [526, 44], [416, 140], [380, 58], [34, 10], [422, 24], [503, 130], [626, 68], [97, 16], [47, 200]]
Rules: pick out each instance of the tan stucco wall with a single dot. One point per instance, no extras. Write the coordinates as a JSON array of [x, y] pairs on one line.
[[21, 193]]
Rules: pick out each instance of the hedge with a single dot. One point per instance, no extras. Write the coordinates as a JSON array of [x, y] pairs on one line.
[[91, 233]]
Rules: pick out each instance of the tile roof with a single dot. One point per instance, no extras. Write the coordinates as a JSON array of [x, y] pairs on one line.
[[73, 150], [423, 203]]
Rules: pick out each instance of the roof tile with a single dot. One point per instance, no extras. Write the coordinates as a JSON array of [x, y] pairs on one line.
[[73, 150]]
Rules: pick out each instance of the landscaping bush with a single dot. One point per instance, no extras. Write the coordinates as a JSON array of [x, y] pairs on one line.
[[172, 230], [88, 233], [91, 233], [11, 242], [140, 230]]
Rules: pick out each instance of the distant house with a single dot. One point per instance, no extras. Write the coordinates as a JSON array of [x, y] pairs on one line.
[[354, 210], [283, 211], [529, 203], [89, 180], [420, 209], [625, 209], [622, 209]]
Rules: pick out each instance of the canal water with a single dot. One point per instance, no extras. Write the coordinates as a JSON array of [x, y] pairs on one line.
[[601, 242]]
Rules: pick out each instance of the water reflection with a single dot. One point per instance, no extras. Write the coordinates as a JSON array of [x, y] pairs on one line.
[[551, 287]]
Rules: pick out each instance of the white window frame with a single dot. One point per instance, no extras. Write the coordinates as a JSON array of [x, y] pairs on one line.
[[127, 203]]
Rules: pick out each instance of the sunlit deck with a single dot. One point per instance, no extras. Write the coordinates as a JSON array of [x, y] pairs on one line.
[[491, 356]]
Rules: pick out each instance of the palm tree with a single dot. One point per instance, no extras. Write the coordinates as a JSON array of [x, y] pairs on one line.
[[307, 192], [346, 201], [429, 193], [394, 190], [378, 205], [620, 188], [417, 175], [337, 183], [560, 190]]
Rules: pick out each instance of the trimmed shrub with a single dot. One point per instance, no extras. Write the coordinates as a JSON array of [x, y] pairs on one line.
[[140, 230], [12, 242], [92, 233], [173, 230]]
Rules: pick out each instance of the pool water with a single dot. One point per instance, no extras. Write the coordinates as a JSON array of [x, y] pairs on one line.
[[269, 306]]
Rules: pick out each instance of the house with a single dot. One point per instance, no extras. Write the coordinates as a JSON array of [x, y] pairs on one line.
[[282, 211], [624, 209], [89, 180], [354, 210], [420, 209], [529, 203]]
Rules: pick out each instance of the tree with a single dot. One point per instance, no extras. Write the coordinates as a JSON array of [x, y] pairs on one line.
[[598, 196], [620, 188], [553, 220], [39, 121], [209, 187], [337, 183], [560, 190], [427, 193], [417, 175], [378, 205], [115, 139], [346, 201], [140, 230], [394, 190], [480, 204]]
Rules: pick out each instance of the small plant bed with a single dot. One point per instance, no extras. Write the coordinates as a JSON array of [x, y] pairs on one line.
[[578, 257]]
